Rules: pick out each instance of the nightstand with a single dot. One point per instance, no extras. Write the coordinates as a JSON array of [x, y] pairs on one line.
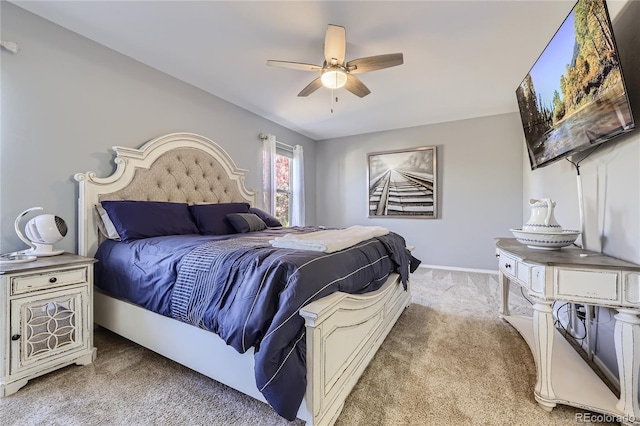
[[46, 320]]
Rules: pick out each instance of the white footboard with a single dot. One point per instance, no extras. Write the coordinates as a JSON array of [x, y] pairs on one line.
[[344, 331]]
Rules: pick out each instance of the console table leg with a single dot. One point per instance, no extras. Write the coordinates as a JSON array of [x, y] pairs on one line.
[[505, 295], [543, 331], [627, 343]]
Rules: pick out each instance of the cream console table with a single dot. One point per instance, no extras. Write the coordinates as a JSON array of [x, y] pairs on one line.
[[576, 276]]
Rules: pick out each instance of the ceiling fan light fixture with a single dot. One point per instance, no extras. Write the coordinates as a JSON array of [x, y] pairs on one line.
[[334, 78]]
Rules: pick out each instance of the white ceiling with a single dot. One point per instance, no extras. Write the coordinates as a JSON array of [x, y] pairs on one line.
[[462, 59]]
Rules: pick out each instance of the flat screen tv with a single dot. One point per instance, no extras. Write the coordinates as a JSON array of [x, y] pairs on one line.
[[574, 97]]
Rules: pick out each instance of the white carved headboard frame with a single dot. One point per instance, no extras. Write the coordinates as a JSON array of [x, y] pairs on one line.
[[178, 167]]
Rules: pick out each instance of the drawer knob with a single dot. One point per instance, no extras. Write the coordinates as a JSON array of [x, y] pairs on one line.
[[507, 265], [15, 337], [53, 280]]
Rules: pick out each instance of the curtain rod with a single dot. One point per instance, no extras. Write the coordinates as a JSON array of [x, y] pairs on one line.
[[279, 144]]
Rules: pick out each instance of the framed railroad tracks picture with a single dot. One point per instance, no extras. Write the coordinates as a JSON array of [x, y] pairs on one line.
[[402, 183]]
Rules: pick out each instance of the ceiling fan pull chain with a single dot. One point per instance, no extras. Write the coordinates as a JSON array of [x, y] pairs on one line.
[[331, 101]]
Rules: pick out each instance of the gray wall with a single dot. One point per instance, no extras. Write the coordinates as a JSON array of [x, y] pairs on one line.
[[610, 183], [67, 100], [479, 181]]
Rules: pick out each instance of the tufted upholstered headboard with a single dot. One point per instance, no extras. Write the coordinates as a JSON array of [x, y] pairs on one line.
[[179, 167]]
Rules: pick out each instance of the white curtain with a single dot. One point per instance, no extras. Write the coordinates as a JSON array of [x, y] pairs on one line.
[[269, 175], [297, 187]]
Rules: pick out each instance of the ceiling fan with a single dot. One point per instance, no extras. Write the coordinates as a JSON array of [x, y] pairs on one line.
[[335, 72]]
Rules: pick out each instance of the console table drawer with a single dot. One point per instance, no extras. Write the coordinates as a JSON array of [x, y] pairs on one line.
[[523, 272], [632, 288], [507, 265], [538, 279], [588, 285]]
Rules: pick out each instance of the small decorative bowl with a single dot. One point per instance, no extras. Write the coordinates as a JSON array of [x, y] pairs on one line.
[[545, 241]]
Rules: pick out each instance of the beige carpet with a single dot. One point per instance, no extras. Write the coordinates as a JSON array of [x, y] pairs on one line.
[[448, 361]]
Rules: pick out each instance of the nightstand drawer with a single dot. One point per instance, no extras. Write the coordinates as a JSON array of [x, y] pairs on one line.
[[48, 279]]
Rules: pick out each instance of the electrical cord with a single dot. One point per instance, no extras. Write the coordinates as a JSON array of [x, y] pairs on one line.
[[525, 297], [558, 323], [577, 163]]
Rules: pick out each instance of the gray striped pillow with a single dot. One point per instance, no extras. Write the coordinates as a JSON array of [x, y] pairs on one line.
[[246, 222]]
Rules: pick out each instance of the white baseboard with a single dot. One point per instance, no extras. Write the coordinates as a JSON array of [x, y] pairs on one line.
[[453, 268]]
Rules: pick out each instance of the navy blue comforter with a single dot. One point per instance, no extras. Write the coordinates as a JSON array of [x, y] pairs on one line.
[[248, 292]]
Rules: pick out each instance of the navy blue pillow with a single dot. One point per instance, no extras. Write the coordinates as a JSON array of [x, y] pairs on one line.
[[211, 219], [271, 221], [144, 219]]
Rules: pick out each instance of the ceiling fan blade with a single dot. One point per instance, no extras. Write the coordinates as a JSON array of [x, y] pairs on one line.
[[294, 65], [335, 44], [311, 87], [372, 63], [357, 87]]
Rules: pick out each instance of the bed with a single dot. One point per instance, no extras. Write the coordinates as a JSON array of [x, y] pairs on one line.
[[341, 331]]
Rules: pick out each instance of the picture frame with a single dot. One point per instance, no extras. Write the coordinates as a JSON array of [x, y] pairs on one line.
[[403, 183]]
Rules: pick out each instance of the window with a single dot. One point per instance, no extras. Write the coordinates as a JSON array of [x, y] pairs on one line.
[[283, 187], [283, 181]]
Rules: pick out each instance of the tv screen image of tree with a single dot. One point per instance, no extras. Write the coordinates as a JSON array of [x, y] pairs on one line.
[[403, 183], [574, 97]]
